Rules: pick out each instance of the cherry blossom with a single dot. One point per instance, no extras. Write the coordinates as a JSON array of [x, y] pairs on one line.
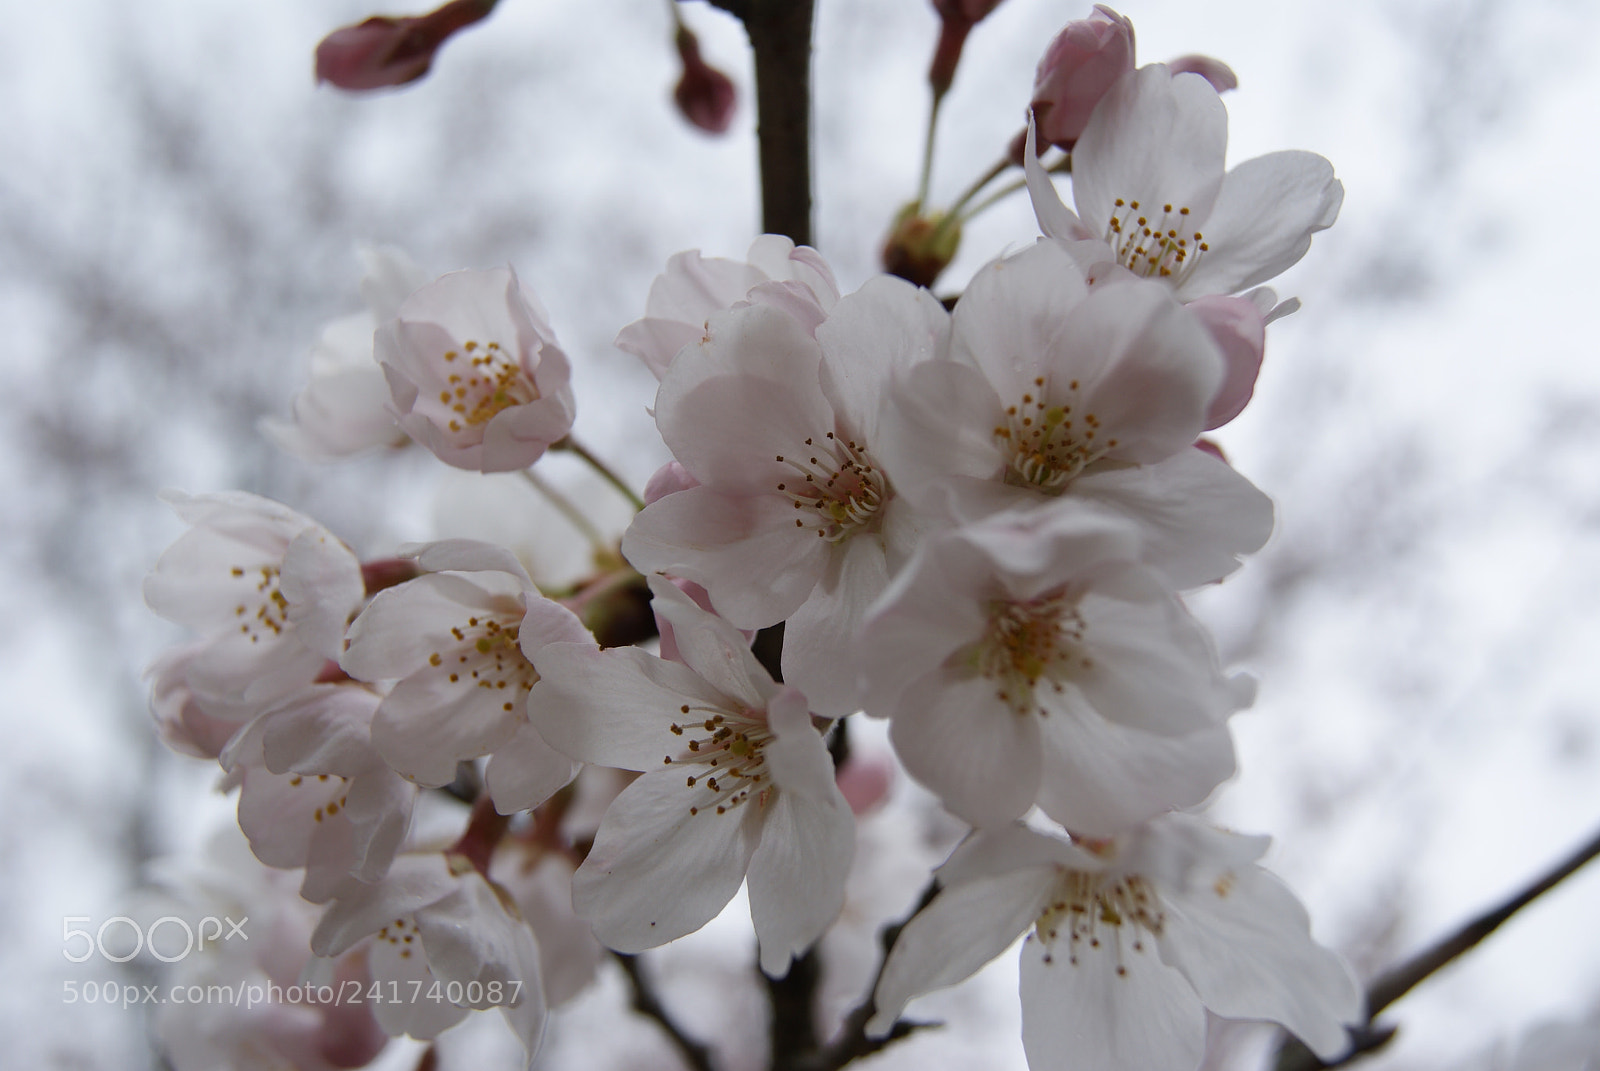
[[314, 792], [270, 589], [344, 410], [795, 516], [736, 782], [475, 372], [684, 297], [1056, 393], [439, 935], [1082, 61], [1154, 198], [458, 642], [1031, 658], [1133, 940]]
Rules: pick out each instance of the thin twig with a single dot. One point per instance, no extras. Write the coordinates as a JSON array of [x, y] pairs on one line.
[[572, 446], [852, 1042], [1400, 980], [696, 1055], [567, 508]]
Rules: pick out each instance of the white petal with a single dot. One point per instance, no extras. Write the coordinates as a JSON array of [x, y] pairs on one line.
[[525, 771], [1055, 219], [711, 646], [821, 638], [361, 909], [322, 581], [885, 327], [1263, 221], [657, 872], [1086, 1015], [797, 874], [962, 928], [1013, 317]]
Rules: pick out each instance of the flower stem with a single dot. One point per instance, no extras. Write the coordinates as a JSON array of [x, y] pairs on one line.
[[1064, 164], [567, 509], [1399, 980], [927, 150], [953, 217], [696, 1054], [572, 446]]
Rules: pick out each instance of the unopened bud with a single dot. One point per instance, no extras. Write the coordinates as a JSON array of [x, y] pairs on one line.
[[1081, 64], [385, 51], [920, 247], [1219, 74], [957, 17], [704, 95]]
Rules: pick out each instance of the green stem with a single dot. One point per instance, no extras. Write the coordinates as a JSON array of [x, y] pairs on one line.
[[567, 509], [572, 446], [927, 151]]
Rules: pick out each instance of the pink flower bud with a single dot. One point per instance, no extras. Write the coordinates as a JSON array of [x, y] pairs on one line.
[[386, 51], [1080, 65], [957, 18], [1219, 74], [968, 11], [705, 95]]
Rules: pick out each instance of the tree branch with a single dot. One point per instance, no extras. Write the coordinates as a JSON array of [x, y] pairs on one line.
[[1400, 980], [696, 1055]]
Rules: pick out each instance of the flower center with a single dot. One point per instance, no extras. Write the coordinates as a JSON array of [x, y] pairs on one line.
[[489, 382], [271, 608], [1048, 442], [1163, 247], [1029, 641], [837, 490], [1094, 909], [487, 655], [728, 749], [334, 796]]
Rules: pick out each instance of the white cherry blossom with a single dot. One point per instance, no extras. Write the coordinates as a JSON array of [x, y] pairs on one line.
[[736, 784], [1031, 658], [447, 942], [475, 371], [795, 517], [344, 409], [269, 589], [457, 641], [1151, 188], [684, 297], [1132, 940], [1056, 392]]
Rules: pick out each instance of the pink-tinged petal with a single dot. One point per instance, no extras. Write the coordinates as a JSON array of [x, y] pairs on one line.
[[326, 729], [1243, 941], [779, 258], [322, 581], [423, 1016], [1080, 64], [378, 808], [402, 626], [797, 874], [362, 909], [979, 758], [1056, 220], [711, 647], [745, 551], [681, 299], [1152, 666], [614, 707], [668, 479], [275, 813], [883, 329], [1155, 139], [822, 638], [1013, 317], [1263, 221], [1197, 514], [1143, 1017], [796, 300], [963, 928], [797, 756], [468, 556], [656, 871], [1238, 328], [748, 392], [988, 852], [1101, 778], [657, 341], [470, 938], [1147, 369], [525, 771], [1213, 70], [940, 424], [429, 723]]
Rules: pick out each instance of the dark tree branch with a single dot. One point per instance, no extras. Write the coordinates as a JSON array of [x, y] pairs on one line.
[[1400, 980], [696, 1055]]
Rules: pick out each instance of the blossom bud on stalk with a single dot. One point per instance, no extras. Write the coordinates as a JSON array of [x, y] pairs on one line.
[[1083, 61], [959, 16], [920, 247], [387, 51], [704, 95]]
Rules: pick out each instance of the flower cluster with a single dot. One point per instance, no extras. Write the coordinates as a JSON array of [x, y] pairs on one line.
[[976, 520]]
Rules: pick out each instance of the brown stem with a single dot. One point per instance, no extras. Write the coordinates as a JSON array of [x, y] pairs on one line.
[[696, 1055], [1400, 980]]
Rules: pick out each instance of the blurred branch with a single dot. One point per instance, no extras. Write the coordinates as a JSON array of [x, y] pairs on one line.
[[696, 1055], [1400, 980]]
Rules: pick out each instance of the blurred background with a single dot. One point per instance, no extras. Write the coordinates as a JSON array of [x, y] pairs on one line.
[[179, 212]]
